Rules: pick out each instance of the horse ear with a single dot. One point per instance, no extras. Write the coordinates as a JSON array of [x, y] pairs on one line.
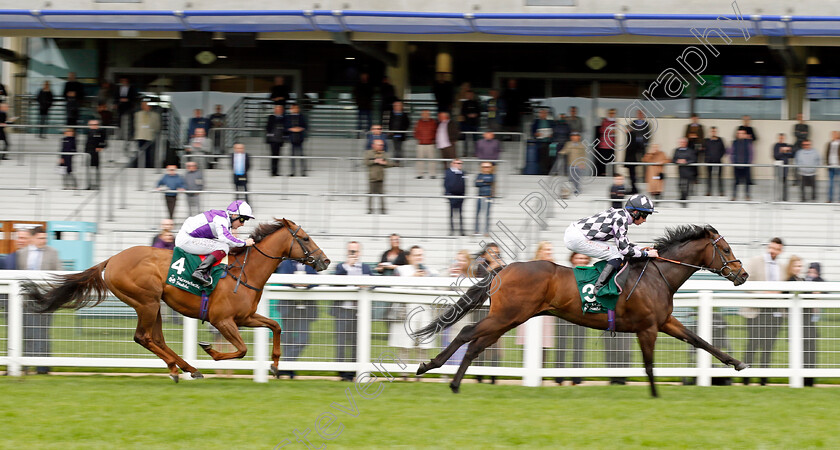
[[284, 222], [710, 231]]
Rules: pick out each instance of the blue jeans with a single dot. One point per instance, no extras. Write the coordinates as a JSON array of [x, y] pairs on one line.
[[486, 202], [831, 174], [365, 120]]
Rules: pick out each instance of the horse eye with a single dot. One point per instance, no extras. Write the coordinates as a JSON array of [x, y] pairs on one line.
[[726, 250], [306, 239]]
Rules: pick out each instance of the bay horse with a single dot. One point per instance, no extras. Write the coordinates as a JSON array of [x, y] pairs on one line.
[[137, 276], [526, 289]]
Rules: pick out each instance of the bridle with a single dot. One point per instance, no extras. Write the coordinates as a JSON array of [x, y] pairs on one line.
[[307, 257], [724, 270]]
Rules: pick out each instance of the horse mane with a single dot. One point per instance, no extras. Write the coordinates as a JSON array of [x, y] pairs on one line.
[[261, 232], [681, 234]]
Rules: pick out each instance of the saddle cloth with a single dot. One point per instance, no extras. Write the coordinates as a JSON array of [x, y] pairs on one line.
[[606, 299], [183, 265]]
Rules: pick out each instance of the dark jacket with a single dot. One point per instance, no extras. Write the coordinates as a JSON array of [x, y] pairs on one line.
[[96, 139], [399, 261], [690, 156], [484, 183], [715, 149], [131, 96], [471, 107], [398, 122], [172, 183], [453, 184], [340, 270], [453, 130], [741, 151], [638, 140], [45, 101], [74, 86], [279, 92], [275, 129], [68, 144], [779, 155], [750, 132], [363, 93], [296, 120]]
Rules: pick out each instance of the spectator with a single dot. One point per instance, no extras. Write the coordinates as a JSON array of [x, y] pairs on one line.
[[217, 120], [606, 142], [197, 122], [574, 153], [5, 120], [376, 134], [377, 161], [696, 129], [489, 148], [576, 333], [460, 267], [45, 101], [471, 113], [562, 134], [241, 164], [741, 152], [763, 327], [618, 191], [387, 95], [198, 145], [126, 96], [443, 92], [166, 241], [655, 174], [783, 153], [275, 134], [636, 146], [806, 158], [22, 238], [699, 156], [832, 158], [105, 95], [715, 150], [541, 130], [65, 161], [165, 227], [446, 136], [684, 156], [460, 96], [392, 258], [811, 329], [171, 182], [74, 94], [96, 142], [296, 316], [748, 129], [494, 111], [800, 131], [575, 122], [280, 93], [36, 327], [194, 181], [146, 128], [296, 133], [424, 132], [486, 184], [345, 311], [454, 184], [407, 348], [398, 124], [106, 117], [363, 93], [514, 103]]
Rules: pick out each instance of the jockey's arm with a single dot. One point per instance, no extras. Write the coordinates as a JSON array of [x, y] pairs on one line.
[[223, 234]]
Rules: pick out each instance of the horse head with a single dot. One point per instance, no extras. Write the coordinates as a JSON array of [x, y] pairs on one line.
[[720, 259], [292, 242]]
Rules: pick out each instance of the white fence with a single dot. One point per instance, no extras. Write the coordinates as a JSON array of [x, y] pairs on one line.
[[337, 326]]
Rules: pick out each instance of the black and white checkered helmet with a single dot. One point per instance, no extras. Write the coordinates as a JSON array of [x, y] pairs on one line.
[[641, 203]]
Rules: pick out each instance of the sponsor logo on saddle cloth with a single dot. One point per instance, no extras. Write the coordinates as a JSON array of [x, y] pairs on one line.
[[182, 267], [606, 299]]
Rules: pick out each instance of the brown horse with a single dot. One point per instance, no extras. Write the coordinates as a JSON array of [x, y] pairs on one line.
[[528, 289], [137, 276]]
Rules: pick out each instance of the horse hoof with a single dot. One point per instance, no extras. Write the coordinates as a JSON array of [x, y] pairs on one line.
[[197, 375], [174, 377], [741, 366], [455, 388], [423, 368], [275, 371], [205, 345]]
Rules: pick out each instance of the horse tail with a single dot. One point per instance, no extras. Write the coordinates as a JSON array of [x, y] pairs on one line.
[[73, 291], [472, 299]]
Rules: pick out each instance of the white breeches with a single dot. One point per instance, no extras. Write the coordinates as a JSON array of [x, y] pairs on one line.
[[199, 246], [576, 241]]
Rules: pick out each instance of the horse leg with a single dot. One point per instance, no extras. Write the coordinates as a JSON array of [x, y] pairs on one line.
[[147, 316], [647, 341], [261, 321], [230, 331], [158, 339], [463, 337], [476, 347], [676, 329]]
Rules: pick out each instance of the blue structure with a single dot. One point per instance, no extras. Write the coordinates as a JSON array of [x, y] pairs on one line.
[[75, 248]]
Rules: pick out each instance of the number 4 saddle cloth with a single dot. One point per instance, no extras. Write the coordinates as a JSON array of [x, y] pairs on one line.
[[606, 299], [181, 269]]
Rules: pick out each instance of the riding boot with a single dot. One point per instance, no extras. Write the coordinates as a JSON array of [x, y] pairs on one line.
[[202, 272], [605, 277]]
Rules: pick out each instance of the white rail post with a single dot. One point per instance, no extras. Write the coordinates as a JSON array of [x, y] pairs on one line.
[[795, 344], [363, 330], [15, 329], [533, 352], [705, 330], [261, 344], [190, 339]]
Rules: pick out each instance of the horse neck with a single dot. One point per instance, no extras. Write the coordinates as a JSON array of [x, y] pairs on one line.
[[260, 267], [677, 274]]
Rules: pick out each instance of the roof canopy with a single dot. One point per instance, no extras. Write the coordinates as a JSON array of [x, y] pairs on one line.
[[666, 25]]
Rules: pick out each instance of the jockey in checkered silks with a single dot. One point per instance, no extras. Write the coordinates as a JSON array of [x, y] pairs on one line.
[[604, 236], [209, 234]]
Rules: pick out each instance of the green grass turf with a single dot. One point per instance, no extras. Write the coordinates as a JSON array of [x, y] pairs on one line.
[[152, 412]]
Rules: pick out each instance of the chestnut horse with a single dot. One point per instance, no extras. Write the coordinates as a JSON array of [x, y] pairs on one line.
[[137, 276], [527, 289]]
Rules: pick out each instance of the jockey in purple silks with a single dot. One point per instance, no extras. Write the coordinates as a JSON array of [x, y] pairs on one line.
[[209, 234]]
